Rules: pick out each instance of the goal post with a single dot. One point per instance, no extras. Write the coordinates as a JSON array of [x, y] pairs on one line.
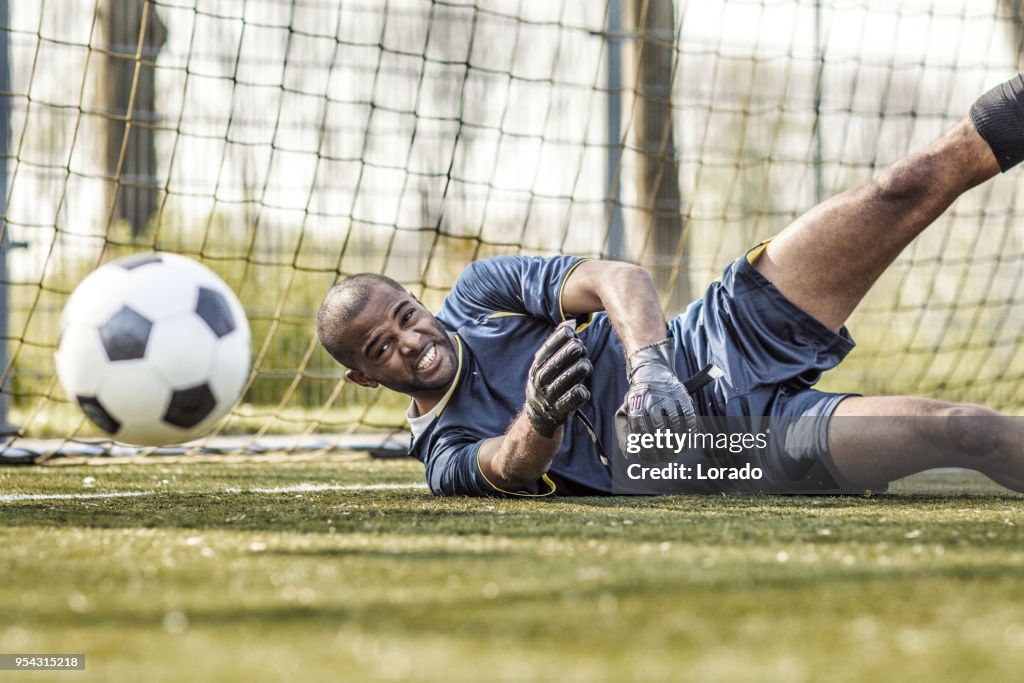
[[286, 144]]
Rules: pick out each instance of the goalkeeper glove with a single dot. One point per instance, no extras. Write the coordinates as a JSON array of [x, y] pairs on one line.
[[656, 399], [555, 388]]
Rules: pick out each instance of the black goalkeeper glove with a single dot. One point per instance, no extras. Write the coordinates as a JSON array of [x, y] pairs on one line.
[[656, 400], [555, 386]]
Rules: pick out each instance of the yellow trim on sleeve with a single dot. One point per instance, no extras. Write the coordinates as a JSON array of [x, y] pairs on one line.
[[756, 252], [544, 478], [506, 314], [561, 311]]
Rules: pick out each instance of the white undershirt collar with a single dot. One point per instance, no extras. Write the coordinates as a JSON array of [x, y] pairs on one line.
[[419, 423]]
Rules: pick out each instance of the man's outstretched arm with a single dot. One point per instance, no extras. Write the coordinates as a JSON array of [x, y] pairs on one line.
[[626, 292], [657, 399]]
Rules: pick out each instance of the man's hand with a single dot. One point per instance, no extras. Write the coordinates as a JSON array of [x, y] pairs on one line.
[[554, 389], [656, 399]]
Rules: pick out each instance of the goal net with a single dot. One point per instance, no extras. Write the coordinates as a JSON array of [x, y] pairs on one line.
[[287, 143]]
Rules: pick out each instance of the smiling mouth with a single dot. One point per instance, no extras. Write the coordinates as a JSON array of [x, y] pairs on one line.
[[428, 358]]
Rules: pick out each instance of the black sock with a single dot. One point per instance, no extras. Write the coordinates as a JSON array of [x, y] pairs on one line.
[[998, 115]]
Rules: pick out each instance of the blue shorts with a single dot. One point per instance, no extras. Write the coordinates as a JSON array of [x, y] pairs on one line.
[[772, 353]]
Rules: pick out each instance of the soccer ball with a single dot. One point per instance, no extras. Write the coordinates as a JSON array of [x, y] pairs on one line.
[[154, 348]]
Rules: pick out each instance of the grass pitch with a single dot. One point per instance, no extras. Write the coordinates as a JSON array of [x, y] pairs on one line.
[[255, 572]]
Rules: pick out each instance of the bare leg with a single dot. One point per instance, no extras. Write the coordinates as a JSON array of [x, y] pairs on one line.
[[828, 259], [876, 440]]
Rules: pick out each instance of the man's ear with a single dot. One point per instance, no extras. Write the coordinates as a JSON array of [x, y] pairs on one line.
[[361, 379]]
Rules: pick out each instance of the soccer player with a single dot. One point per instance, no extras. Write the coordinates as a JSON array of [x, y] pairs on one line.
[[510, 399]]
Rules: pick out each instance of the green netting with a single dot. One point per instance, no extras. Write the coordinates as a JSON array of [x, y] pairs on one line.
[[287, 143]]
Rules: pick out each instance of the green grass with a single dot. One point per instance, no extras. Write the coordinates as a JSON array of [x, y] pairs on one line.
[[201, 581]]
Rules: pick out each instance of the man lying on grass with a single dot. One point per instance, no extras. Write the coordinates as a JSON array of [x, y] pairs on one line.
[[509, 398]]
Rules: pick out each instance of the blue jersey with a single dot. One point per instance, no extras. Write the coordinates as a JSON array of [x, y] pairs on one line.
[[502, 309]]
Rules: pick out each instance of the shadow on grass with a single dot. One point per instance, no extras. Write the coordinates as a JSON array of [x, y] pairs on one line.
[[954, 520]]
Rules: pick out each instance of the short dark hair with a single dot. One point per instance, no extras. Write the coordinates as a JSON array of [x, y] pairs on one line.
[[343, 303]]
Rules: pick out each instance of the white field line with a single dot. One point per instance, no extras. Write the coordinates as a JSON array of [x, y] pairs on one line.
[[298, 488], [304, 488], [11, 497]]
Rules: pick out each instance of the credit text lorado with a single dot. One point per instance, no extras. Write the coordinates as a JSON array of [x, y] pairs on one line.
[[678, 471]]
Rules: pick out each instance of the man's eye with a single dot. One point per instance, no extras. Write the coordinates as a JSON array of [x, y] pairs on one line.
[[407, 317], [382, 349]]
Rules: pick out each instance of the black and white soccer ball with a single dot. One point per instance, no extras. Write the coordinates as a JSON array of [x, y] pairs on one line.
[[154, 349]]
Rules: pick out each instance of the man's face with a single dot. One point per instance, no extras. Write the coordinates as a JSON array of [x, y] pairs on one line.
[[398, 343]]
